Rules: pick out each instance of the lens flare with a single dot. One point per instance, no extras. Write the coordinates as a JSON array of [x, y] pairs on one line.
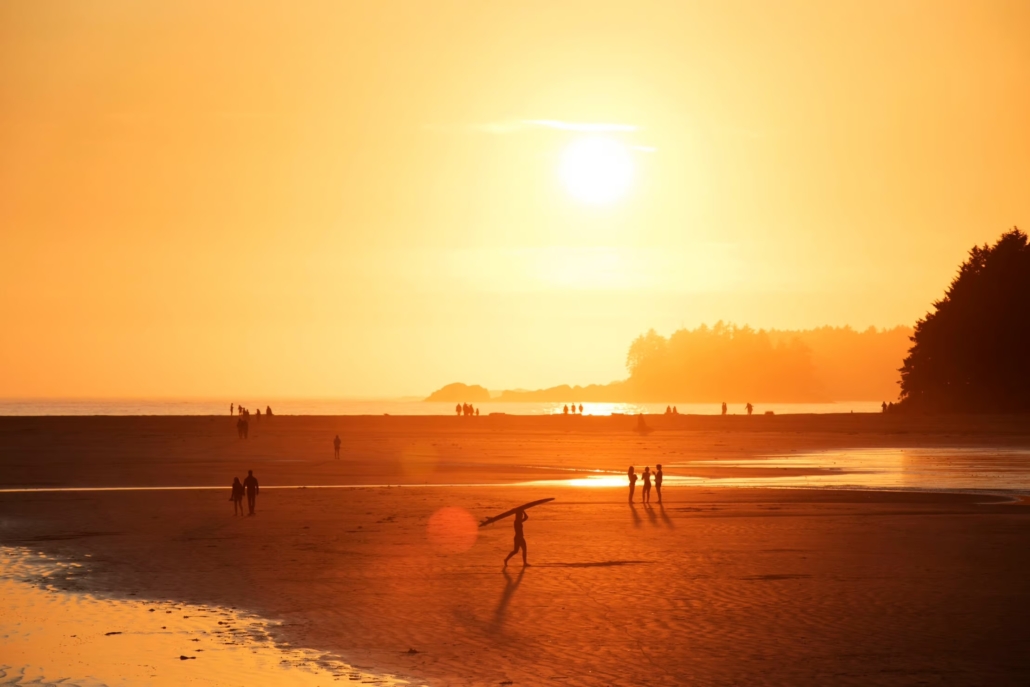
[[452, 530]]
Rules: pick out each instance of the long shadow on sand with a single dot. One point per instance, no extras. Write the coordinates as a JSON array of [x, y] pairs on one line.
[[651, 517], [510, 585], [665, 518], [636, 515], [597, 564]]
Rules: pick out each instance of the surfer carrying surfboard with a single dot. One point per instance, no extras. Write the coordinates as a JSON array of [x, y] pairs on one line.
[[520, 517], [520, 538]]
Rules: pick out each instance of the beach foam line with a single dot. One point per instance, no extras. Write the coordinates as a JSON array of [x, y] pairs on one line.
[[51, 636]]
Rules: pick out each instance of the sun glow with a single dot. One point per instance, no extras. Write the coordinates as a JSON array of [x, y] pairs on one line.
[[596, 169]]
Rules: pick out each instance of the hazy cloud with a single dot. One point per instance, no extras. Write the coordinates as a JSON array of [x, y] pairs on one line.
[[514, 125]]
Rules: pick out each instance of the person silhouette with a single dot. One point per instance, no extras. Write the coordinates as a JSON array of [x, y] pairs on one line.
[[724, 407], [251, 485], [268, 411], [632, 482], [580, 408], [565, 410], [336, 447], [674, 411], [520, 539], [237, 496], [645, 496], [231, 409], [457, 410], [883, 406], [750, 408], [257, 415], [668, 410], [658, 482], [477, 412]]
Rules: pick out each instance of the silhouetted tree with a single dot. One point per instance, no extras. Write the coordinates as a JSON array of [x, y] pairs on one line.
[[972, 353], [723, 361]]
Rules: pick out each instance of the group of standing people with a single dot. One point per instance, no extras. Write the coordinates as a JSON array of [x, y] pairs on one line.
[[671, 410], [243, 421], [250, 487], [235, 409], [466, 409], [645, 496], [565, 410]]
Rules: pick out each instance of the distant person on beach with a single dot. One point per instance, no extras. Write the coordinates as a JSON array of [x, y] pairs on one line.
[[477, 412], [724, 407], [750, 408], [632, 482], [674, 411], [883, 406], [231, 409], [251, 485], [457, 410], [645, 496], [520, 539], [268, 411], [668, 410], [580, 408], [257, 415], [658, 482], [237, 496], [336, 447], [565, 410]]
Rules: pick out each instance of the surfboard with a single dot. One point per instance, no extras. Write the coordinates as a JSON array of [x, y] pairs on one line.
[[508, 513]]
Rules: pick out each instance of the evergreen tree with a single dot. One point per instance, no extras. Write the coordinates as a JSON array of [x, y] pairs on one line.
[[972, 353]]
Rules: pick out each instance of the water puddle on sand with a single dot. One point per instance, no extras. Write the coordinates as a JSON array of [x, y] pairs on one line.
[[55, 637], [937, 469], [916, 469]]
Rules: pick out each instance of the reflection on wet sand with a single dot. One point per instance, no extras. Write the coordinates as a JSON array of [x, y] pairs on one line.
[[52, 636], [885, 468]]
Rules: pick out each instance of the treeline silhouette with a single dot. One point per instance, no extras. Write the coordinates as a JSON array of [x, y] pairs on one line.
[[725, 362], [740, 363], [972, 352]]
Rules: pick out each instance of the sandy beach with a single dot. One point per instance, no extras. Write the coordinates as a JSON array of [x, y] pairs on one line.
[[716, 586]]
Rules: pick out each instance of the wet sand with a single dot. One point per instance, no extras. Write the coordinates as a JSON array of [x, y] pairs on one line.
[[720, 586]]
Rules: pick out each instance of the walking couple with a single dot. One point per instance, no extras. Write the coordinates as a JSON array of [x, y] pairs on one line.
[[250, 487]]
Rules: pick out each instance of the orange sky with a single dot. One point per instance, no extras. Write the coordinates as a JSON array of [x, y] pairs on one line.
[[349, 198]]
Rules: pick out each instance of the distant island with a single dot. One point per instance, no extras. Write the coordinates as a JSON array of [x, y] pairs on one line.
[[460, 393], [736, 364]]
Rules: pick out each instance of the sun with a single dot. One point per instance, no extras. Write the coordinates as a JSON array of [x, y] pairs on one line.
[[596, 169]]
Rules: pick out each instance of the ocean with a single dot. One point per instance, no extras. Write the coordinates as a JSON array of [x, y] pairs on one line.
[[329, 406]]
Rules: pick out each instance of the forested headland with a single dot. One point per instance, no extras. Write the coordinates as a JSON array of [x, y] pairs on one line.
[[725, 362]]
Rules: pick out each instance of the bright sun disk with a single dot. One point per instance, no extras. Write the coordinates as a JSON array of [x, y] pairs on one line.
[[596, 169]]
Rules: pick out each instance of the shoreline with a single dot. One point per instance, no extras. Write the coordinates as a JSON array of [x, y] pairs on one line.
[[39, 617]]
